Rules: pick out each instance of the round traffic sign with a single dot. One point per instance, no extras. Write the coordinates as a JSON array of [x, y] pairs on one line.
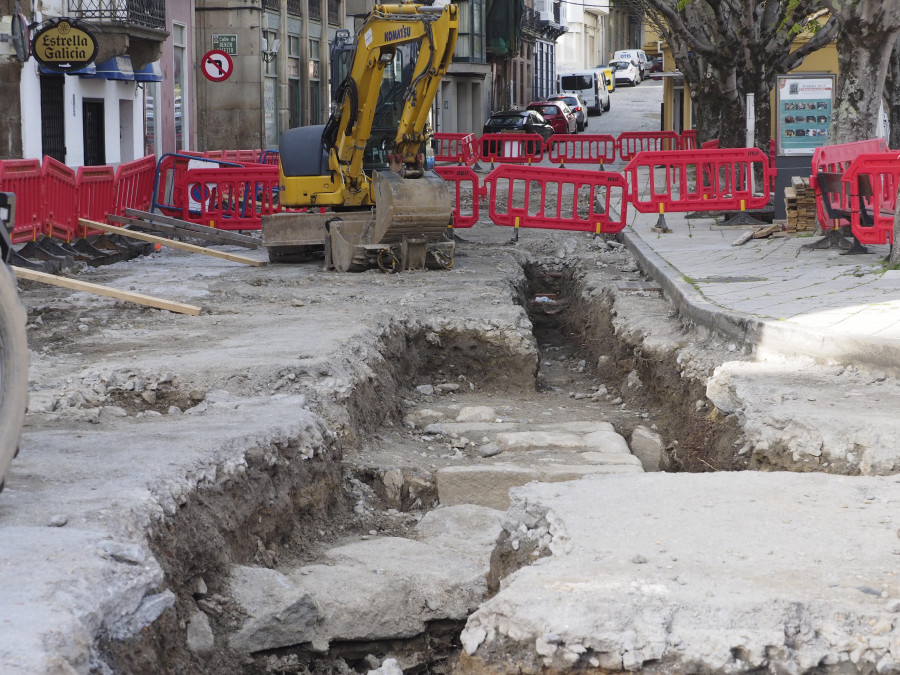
[[217, 65]]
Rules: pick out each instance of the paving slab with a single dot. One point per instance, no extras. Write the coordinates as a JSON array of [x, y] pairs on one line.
[[489, 485]]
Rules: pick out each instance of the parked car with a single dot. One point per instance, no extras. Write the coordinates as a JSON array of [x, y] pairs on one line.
[[610, 78], [609, 75], [627, 72], [639, 56], [557, 114], [518, 121], [576, 105], [590, 85]]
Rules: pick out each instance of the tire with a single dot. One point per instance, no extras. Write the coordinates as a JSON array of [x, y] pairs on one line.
[[13, 370], [607, 106]]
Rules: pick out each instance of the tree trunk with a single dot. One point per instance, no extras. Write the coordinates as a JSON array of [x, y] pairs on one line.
[[862, 69], [892, 94], [868, 30]]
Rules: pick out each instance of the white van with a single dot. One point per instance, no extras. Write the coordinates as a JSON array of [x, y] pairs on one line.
[[590, 84], [639, 56]]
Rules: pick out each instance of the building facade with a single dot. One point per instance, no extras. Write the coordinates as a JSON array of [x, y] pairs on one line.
[[92, 116]]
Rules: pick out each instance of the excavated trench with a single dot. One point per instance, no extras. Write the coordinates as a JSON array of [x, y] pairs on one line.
[[373, 475]]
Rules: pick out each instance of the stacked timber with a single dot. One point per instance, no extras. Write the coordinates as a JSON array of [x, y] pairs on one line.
[[800, 205]]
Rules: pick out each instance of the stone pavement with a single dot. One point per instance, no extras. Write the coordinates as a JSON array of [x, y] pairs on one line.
[[774, 294]]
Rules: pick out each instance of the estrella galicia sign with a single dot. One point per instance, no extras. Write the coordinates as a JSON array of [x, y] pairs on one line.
[[64, 45]]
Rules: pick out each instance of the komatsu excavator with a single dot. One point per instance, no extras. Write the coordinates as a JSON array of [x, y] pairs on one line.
[[395, 217]]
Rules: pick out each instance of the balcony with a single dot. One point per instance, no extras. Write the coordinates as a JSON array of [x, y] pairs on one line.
[[133, 27], [144, 13]]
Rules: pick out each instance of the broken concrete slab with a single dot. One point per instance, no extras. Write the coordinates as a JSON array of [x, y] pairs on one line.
[[724, 572], [526, 441], [467, 528], [489, 485], [375, 589], [648, 447]]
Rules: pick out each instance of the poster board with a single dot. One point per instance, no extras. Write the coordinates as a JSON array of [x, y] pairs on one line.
[[803, 107]]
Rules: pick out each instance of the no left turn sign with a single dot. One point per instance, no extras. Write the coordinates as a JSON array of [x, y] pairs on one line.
[[217, 65]]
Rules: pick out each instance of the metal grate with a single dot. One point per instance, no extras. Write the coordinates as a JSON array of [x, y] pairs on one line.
[[294, 7], [272, 5], [145, 13], [315, 10]]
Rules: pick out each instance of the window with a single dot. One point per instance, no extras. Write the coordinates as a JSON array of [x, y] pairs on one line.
[[179, 32], [293, 68], [314, 83]]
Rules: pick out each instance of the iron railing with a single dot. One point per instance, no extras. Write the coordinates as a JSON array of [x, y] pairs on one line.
[[144, 13], [295, 7], [315, 11]]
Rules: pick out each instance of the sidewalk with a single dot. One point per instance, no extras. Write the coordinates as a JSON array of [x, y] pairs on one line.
[[770, 293]]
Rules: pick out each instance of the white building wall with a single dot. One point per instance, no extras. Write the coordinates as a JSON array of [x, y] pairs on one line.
[[30, 96], [76, 89], [583, 45]]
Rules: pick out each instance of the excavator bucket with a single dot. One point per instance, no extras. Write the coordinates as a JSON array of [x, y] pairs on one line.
[[411, 207]]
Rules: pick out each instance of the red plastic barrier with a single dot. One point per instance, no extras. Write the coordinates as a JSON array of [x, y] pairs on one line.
[[836, 159], [60, 209], [23, 177], [241, 156], [214, 154], [96, 189], [558, 199], [229, 198], [630, 143], [688, 140], [717, 179], [269, 157], [581, 149], [710, 145], [871, 180], [166, 196], [467, 189], [459, 148], [134, 184], [511, 148]]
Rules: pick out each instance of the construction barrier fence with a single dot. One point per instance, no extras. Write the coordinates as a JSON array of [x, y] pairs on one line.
[[836, 159], [708, 180], [467, 194], [871, 180], [558, 199]]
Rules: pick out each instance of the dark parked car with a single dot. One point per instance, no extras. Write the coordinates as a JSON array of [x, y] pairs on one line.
[[518, 121], [577, 106], [557, 114]]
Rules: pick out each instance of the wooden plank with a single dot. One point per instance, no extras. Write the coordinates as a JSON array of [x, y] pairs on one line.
[[233, 237], [170, 229], [97, 289], [171, 244]]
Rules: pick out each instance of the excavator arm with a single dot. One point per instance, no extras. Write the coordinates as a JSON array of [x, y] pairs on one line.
[[434, 30]]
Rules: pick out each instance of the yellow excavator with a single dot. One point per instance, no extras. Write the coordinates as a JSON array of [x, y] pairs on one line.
[[394, 216]]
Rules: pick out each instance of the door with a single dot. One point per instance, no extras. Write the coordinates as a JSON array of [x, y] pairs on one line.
[[94, 132], [53, 134], [126, 130]]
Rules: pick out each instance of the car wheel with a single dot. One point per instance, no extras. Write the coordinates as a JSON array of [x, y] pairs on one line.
[[607, 106]]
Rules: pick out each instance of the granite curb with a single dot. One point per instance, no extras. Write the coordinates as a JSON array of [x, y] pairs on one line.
[[764, 337]]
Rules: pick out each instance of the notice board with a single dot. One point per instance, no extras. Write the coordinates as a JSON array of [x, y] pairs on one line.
[[803, 107]]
